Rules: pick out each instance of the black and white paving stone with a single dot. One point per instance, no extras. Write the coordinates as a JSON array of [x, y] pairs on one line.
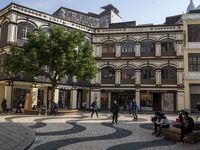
[[79, 131]]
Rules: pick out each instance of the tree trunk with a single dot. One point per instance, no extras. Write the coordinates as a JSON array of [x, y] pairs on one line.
[[53, 94]]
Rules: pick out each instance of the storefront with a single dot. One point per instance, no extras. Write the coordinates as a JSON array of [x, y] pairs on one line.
[[64, 98], [122, 96], [158, 100], [20, 94]]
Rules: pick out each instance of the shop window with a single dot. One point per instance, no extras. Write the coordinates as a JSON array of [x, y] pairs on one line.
[[194, 33], [194, 61], [146, 101], [168, 45], [109, 47], [4, 33], [148, 73], [128, 73], [148, 46], [105, 102], [108, 73], [169, 73], [20, 94], [127, 46]]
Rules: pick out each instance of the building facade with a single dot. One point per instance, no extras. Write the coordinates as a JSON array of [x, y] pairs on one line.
[[149, 63]]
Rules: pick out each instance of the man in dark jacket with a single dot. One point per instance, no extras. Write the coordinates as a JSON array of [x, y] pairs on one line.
[[198, 109], [115, 111], [188, 127], [3, 105], [94, 107]]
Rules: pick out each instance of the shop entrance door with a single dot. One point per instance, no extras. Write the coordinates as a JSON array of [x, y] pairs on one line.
[[64, 99], [157, 101]]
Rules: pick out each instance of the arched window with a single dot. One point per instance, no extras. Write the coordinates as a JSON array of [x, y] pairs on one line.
[[148, 73], [46, 30], [169, 73], [23, 28], [128, 46], [108, 47], [4, 33], [168, 45], [128, 73], [108, 73], [148, 46]]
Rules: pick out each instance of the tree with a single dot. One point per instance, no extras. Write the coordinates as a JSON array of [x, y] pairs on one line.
[[63, 53]]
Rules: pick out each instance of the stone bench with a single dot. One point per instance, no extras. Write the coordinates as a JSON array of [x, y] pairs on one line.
[[36, 112], [174, 131]]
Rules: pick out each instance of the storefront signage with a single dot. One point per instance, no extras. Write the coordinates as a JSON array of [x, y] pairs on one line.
[[117, 91], [158, 91], [64, 88]]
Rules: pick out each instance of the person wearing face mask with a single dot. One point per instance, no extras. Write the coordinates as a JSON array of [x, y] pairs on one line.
[[187, 127], [115, 111], [198, 109]]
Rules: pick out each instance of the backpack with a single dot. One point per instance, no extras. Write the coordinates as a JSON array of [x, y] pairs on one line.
[[93, 104]]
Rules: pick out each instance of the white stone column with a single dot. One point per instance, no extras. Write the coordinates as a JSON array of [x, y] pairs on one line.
[[8, 93], [96, 93], [158, 49], [137, 50], [73, 98], [137, 97], [180, 77], [99, 77], [180, 100], [179, 48], [158, 77], [118, 50], [137, 77], [56, 95], [34, 94], [117, 77], [12, 33]]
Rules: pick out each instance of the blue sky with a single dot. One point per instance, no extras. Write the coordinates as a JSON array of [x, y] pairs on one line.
[[141, 11]]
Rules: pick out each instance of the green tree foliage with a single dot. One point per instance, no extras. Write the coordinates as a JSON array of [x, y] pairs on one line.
[[63, 53]]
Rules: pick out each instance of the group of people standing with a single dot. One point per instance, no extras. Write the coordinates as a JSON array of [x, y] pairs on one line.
[[133, 107]]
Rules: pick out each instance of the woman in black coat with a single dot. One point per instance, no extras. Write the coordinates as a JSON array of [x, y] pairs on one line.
[[115, 111], [4, 105]]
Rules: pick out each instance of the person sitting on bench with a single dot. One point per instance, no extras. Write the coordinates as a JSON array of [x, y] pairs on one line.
[[42, 107], [187, 127], [161, 122]]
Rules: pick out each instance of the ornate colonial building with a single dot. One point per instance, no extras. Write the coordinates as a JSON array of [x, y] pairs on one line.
[[148, 62]]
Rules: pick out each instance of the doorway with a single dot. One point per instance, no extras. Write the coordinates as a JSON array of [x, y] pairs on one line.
[[157, 101]]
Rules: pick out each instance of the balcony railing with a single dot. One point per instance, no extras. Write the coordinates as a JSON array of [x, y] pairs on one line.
[[148, 81], [169, 81], [168, 53], [128, 54], [107, 81], [147, 54], [108, 54], [127, 81]]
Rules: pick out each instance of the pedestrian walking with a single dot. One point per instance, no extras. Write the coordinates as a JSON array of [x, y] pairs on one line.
[[198, 109], [55, 108], [130, 106], [19, 105], [115, 111], [3, 106], [188, 127], [94, 108], [135, 110], [125, 105], [161, 122]]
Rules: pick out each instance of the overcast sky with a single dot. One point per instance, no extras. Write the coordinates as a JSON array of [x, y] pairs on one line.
[[141, 11]]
